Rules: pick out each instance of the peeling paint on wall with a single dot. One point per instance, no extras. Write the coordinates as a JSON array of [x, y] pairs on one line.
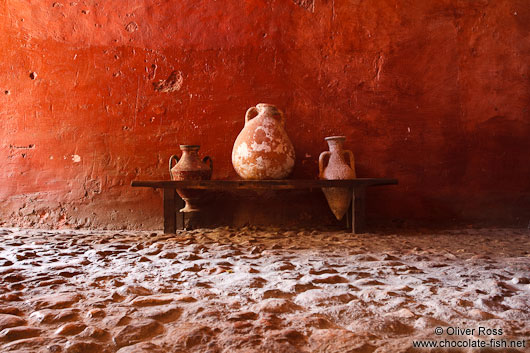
[[306, 4], [131, 27], [171, 84]]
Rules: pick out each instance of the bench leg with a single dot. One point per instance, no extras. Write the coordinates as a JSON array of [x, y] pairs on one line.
[[353, 229], [347, 216], [360, 200], [180, 215], [170, 211]]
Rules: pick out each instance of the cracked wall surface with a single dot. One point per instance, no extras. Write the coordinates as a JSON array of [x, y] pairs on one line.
[[96, 94]]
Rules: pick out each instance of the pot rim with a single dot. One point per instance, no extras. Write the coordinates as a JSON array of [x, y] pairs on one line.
[[190, 146], [338, 137], [259, 105]]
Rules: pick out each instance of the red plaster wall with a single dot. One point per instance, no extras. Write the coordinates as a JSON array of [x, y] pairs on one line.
[[434, 93]]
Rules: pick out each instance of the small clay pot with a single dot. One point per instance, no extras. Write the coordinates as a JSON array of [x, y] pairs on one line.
[[190, 167], [337, 164]]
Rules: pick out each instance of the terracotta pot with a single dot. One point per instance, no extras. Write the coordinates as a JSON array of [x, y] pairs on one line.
[[337, 163], [262, 149], [190, 167]]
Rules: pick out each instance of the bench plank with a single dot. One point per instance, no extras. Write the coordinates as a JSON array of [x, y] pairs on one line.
[[262, 184], [356, 186]]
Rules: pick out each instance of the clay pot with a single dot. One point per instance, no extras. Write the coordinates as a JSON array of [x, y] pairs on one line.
[[262, 149], [190, 167], [337, 163]]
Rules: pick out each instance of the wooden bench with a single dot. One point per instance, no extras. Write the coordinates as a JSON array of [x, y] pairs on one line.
[[172, 200]]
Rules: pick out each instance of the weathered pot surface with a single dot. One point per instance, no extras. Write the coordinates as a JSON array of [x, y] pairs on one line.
[[333, 165], [262, 149], [190, 167]]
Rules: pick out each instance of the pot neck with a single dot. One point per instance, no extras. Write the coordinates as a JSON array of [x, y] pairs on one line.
[[189, 149], [268, 109], [335, 143]]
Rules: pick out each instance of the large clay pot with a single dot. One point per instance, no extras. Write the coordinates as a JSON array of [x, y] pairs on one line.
[[337, 163], [190, 167], [262, 149]]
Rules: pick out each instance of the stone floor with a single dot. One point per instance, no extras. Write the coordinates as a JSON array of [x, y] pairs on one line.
[[252, 290]]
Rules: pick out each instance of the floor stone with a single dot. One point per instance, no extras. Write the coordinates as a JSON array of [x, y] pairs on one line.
[[258, 290]]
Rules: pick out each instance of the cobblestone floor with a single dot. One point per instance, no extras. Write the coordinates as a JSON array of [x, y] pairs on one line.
[[259, 290]]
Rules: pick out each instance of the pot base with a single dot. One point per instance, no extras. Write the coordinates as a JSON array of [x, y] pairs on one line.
[[190, 206], [339, 200]]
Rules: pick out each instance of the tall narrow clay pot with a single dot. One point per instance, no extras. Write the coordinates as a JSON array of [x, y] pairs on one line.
[[262, 149], [337, 163], [190, 167]]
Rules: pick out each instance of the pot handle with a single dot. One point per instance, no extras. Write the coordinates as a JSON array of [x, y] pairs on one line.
[[251, 110], [352, 160], [323, 160], [173, 157], [207, 158]]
